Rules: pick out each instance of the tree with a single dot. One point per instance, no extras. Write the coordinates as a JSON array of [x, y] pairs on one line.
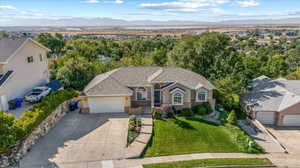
[[232, 119], [54, 42], [294, 75]]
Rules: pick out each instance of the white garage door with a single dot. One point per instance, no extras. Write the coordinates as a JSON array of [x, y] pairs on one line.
[[291, 120], [265, 117], [106, 104]]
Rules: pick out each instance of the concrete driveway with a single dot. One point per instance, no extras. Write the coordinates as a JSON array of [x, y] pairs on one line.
[[80, 139], [288, 137]]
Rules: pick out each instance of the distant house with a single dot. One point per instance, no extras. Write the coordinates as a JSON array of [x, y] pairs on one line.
[[275, 102], [128, 88], [23, 65]]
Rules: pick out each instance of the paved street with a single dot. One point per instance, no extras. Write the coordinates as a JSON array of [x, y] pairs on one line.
[[80, 139]]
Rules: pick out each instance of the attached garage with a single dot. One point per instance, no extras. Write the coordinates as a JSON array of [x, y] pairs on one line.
[[265, 117], [291, 120], [106, 104]]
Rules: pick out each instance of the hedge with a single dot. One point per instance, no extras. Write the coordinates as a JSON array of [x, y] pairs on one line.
[[32, 118]]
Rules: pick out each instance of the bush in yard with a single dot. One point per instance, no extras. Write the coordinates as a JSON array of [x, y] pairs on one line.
[[203, 109], [156, 114], [8, 132], [187, 112], [170, 113], [232, 119], [245, 143], [33, 117]]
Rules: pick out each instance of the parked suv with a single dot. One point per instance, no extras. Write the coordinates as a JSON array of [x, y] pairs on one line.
[[37, 94]]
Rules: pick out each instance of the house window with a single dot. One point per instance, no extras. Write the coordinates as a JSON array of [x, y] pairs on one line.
[[41, 57], [201, 95], [177, 99], [141, 94], [30, 59]]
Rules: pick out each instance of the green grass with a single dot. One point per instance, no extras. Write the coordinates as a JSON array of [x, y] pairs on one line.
[[213, 162], [189, 135]]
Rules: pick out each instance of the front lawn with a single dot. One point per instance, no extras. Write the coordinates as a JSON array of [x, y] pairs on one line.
[[213, 162], [191, 135]]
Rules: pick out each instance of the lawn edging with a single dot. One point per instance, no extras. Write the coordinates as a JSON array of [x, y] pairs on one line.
[[138, 146], [214, 163]]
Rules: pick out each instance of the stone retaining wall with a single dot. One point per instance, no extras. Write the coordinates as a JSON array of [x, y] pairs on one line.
[[21, 148]]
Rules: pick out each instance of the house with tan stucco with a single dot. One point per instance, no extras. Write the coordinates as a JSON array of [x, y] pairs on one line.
[[274, 102], [129, 89], [23, 66]]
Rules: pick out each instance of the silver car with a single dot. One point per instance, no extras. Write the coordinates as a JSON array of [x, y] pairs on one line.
[[37, 94]]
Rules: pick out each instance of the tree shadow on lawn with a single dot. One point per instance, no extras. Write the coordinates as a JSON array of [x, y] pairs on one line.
[[201, 120], [183, 124]]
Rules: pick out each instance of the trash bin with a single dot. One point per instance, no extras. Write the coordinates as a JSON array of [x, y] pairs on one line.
[[73, 105], [12, 105], [19, 102]]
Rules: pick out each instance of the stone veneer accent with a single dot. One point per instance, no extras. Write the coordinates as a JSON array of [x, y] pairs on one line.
[[9, 160]]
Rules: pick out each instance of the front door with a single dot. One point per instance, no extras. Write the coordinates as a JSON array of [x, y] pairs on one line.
[[157, 97]]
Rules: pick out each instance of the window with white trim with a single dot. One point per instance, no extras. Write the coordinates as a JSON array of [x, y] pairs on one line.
[[177, 98], [141, 94], [201, 95]]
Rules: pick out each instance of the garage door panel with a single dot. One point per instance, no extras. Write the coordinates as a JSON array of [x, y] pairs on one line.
[[265, 117], [291, 120], [106, 104]]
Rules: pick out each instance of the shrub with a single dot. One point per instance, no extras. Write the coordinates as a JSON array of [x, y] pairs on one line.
[[170, 113], [203, 109], [187, 112], [232, 119], [156, 114], [33, 117], [245, 143], [8, 132]]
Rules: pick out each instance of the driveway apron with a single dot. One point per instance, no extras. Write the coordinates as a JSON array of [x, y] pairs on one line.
[[80, 139]]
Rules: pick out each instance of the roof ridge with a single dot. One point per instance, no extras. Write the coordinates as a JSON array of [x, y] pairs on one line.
[[155, 74], [105, 76]]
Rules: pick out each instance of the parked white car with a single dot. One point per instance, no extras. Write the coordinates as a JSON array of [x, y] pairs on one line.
[[37, 94]]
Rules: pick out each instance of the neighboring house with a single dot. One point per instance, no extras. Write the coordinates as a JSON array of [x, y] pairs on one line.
[[273, 101], [126, 89], [23, 65]]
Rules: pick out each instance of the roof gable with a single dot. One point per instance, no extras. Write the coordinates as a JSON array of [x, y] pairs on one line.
[[9, 47]]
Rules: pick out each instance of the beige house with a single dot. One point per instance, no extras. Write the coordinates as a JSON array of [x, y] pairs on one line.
[[274, 102], [131, 88], [23, 65]]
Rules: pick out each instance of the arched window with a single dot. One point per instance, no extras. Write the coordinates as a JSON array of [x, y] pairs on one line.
[[201, 95], [177, 98]]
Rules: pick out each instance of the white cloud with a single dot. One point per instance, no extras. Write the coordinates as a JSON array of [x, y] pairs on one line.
[[7, 7], [109, 1], [246, 3], [119, 1], [92, 1], [145, 13], [186, 6]]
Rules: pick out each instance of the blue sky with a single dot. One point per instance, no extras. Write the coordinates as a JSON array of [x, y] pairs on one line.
[[200, 10]]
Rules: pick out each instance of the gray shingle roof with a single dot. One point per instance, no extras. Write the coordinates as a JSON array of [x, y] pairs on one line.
[[118, 80], [8, 46], [184, 77], [272, 95]]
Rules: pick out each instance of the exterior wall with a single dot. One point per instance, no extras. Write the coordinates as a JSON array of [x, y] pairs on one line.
[[25, 75], [167, 97], [294, 110], [147, 102], [1, 68]]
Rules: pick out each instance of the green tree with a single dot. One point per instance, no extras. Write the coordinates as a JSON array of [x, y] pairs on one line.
[[232, 119]]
